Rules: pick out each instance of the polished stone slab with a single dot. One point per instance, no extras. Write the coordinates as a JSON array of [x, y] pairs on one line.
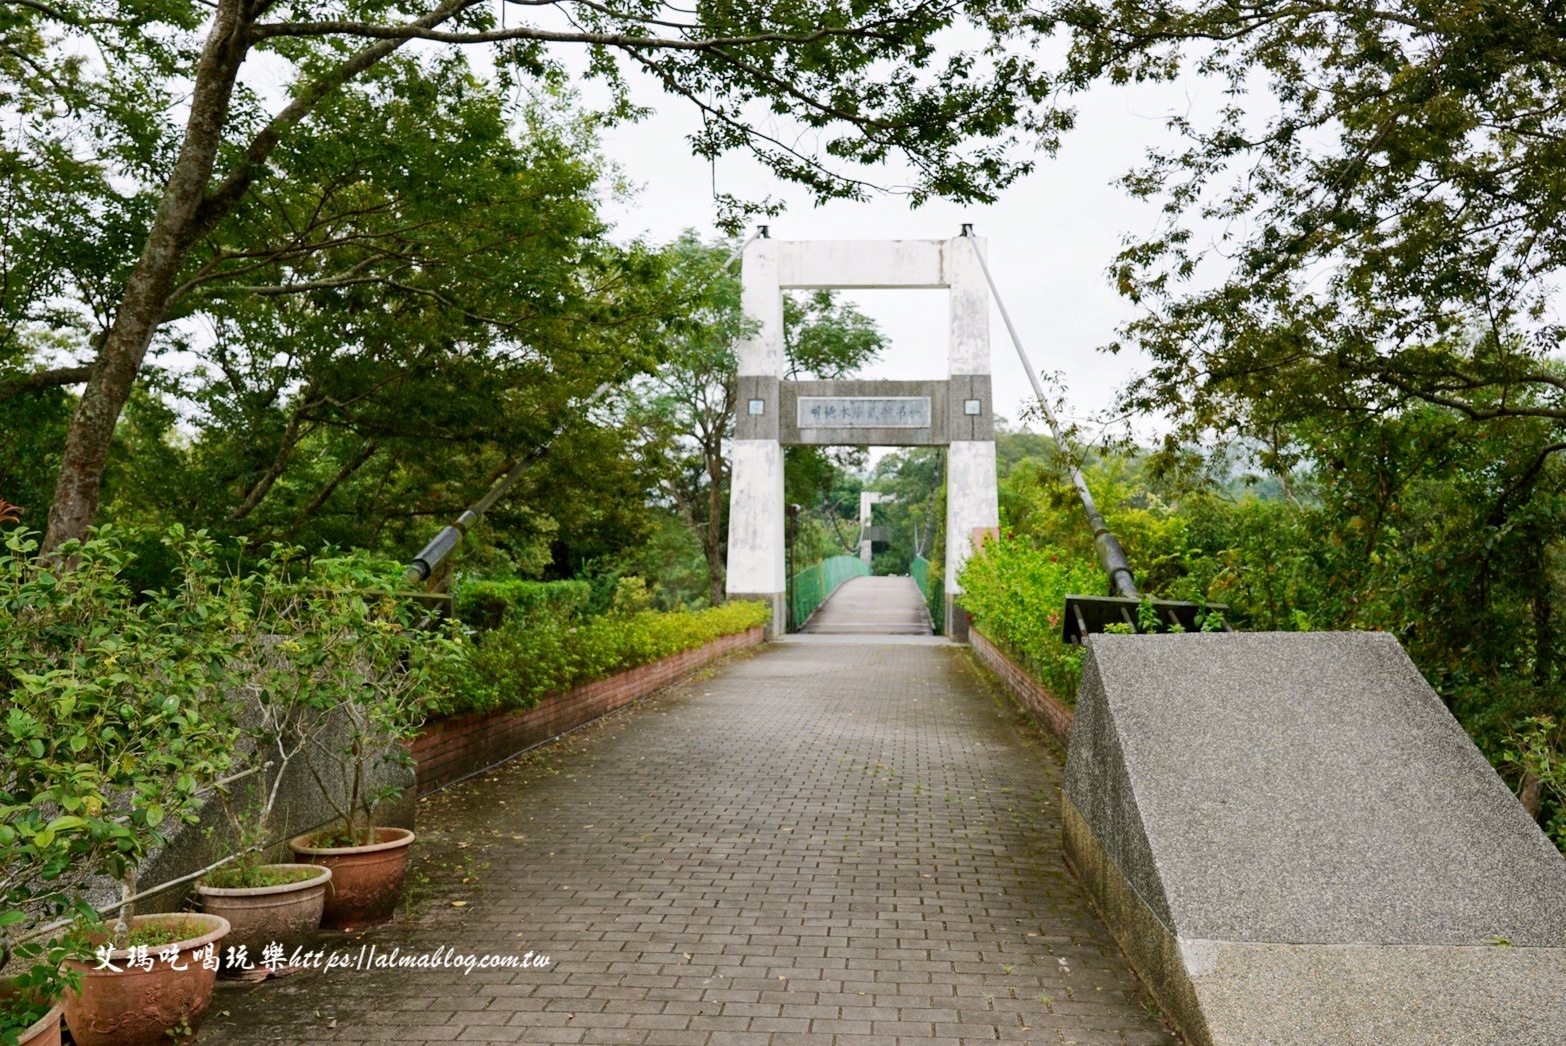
[[1304, 791]]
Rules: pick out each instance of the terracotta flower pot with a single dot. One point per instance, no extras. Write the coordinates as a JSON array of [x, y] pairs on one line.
[[366, 880], [148, 1007], [287, 914], [45, 1031]]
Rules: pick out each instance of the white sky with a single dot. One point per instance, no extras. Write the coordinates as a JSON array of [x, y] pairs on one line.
[[1051, 238]]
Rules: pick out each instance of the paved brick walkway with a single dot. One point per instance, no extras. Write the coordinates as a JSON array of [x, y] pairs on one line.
[[835, 840]]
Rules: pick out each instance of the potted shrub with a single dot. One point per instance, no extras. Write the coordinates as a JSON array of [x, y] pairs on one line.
[[44, 1030], [116, 720], [272, 909], [275, 907], [31, 1003], [354, 687]]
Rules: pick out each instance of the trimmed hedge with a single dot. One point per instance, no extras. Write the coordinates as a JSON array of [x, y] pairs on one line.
[[531, 655], [488, 605]]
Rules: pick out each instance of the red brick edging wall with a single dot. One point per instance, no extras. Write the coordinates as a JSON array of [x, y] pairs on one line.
[[1048, 709], [454, 748]]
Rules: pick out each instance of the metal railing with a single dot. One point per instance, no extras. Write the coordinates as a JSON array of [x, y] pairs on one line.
[[809, 588]]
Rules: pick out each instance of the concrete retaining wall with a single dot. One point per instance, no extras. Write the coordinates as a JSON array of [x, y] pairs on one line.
[[1295, 842], [300, 807]]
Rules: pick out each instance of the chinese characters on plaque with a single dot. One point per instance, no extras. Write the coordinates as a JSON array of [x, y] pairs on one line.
[[864, 412]]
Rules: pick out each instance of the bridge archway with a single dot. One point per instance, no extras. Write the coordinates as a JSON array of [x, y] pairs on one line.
[[955, 412]]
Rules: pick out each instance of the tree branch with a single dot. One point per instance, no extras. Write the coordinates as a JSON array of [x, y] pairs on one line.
[[349, 467], [44, 379], [67, 18], [221, 200], [418, 31], [285, 449]]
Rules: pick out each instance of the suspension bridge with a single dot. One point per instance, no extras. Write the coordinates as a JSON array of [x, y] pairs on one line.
[[847, 836]]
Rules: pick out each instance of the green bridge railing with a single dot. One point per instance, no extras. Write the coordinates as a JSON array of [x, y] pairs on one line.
[[812, 586], [919, 569]]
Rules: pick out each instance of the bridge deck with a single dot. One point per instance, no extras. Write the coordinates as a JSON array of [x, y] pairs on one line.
[[832, 841], [872, 605]]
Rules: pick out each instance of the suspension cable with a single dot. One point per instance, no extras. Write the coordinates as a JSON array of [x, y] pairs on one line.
[[1110, 554]]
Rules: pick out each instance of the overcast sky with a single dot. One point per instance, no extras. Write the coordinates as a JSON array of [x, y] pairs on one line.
[[1051, 238]]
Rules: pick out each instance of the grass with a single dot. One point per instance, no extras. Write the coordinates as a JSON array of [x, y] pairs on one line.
[[260, 875]]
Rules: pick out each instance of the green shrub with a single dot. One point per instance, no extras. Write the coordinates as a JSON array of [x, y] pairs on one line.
[[1016, 594], [1538, 751], [531, 655], [114, 716], [487, 605], [349, 678]]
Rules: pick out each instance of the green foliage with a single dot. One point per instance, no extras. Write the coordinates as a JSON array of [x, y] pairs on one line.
[[353, 412], [825, 483], [345, 677], [914, 477], [671, 560], [1439, 529], [487, 604], [532, 655], [1016, 593], [936, 599], [250, 876], [366, 199], [115, 716], [32, 430], [1379, 183], [26, 997], [1537, 750]]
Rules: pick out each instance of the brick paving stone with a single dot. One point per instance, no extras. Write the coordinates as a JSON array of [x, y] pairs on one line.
[[836, 840]]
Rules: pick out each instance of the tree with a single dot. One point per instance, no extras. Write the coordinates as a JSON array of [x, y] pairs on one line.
[[825, 482], [1374, 218], [692, 397], [1357, 271], [915, 476], [357, 391], [867, 85]]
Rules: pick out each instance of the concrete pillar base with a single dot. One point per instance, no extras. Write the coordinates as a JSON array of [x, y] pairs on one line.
[[777, 601], [956, 619]]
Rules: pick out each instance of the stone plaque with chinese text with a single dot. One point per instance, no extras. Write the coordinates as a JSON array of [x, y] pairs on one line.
[[869, 412]]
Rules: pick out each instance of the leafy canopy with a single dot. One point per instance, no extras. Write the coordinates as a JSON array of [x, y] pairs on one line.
[[1372, 218]]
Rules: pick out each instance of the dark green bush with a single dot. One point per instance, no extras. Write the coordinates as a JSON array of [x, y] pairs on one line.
[[487, 605], [531, 655]]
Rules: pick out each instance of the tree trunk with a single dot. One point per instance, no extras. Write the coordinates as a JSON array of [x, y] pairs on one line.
[[79, 488], [1531, 794]]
